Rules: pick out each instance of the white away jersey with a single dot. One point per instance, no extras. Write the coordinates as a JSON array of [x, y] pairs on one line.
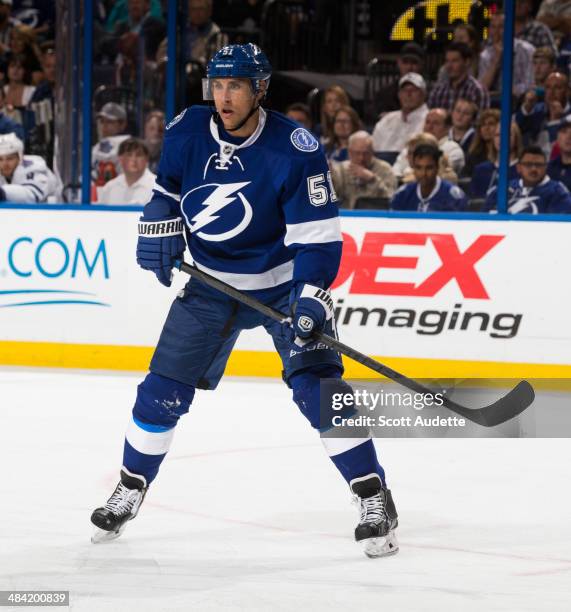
[[31, 182]]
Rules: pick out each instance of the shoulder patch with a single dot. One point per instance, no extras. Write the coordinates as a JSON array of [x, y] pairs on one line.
[[175, 120], [303, 140], [456, 192]]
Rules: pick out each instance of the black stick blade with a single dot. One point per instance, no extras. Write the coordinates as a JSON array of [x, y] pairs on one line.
[[505, 409]]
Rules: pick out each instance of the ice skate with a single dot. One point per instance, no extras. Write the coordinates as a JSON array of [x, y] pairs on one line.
[[378, 518], [120, 508]]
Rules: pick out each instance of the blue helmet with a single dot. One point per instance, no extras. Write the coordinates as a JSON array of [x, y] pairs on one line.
[[240, 62]]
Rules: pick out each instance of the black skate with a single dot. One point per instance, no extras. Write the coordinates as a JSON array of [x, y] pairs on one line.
[[121, 507], [378, 519]]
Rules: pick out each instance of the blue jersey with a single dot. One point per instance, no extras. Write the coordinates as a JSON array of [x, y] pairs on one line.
[[486, 176], [558, 171], [444, 197], [260, 212], [547, 197]]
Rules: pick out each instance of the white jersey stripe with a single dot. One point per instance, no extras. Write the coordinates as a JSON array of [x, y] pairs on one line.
[[249, 282], [313, 232], [336, 446], [163, 191]]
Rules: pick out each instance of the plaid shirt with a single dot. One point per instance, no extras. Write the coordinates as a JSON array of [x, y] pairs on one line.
[[538, 35], [444, 95]]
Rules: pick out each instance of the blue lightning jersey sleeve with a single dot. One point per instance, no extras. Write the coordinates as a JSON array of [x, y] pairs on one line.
[[261, 212], [547, 197]]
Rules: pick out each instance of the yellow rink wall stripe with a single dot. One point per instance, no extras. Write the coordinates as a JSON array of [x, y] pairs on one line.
[[258, 363]]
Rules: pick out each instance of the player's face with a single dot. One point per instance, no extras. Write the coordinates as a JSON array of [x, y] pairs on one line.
[[9, 163], [133, 162], [233, 99], [425, 171], [109, 127], [462, 115], [532, 169], [564, 140]]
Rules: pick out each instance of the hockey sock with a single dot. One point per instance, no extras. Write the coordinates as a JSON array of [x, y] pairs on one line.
[[359, 461], [160, 403]]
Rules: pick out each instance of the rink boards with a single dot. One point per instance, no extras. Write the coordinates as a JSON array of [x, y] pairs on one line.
[[469, 296]]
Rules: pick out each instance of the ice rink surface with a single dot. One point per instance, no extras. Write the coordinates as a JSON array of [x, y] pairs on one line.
[[249, 514]]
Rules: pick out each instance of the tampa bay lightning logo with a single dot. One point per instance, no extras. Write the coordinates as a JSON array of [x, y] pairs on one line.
[[223, 206], [175, 120], [303, 140]]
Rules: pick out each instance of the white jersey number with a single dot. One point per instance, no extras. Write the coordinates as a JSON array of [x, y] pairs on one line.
[[317, 190]]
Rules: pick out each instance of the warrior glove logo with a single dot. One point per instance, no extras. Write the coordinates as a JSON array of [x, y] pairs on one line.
[[305, 323], [225, 203]]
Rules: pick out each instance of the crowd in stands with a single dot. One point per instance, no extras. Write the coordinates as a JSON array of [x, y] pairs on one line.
[[436, 142], [433, 145]]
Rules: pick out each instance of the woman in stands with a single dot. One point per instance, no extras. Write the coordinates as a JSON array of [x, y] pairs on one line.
[[18, 90], [486, 174], [333, 99], [346, 121], [482, 147]]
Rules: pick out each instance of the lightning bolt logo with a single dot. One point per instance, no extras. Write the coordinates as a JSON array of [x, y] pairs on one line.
[[222, 196]]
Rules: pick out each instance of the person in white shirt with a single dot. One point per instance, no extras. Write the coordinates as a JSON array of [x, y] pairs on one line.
[[24, 179], [394, 129], [135, 185], [438, 124]]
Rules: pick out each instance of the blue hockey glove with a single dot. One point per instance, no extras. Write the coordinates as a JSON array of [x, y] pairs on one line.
[[159, 244], [312, 307]]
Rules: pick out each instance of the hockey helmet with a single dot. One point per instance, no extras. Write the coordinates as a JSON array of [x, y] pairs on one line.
[[10, 143], [239, 62]]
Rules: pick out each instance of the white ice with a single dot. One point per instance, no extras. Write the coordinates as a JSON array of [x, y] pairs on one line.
[[249, 514]]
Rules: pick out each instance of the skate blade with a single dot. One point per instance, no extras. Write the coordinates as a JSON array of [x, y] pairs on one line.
[[100, 535], [381, 547]]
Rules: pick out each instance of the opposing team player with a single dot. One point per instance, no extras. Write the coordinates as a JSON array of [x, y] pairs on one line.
[[24, 178], [251, 192]]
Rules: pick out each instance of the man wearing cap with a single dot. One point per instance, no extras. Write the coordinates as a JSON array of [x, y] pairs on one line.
[[559, 168], [457, 81], [410, 59], [111, 124], [394, 129]]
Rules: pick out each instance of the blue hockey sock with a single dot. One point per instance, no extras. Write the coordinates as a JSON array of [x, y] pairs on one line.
[[160, 403], [359, 461]]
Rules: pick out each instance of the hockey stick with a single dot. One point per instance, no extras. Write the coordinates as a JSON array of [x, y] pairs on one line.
[[504, 409]]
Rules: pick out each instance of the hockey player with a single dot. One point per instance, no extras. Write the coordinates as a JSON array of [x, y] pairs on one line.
[[534, 192], [249, 192], [429, 192], [24, 178]]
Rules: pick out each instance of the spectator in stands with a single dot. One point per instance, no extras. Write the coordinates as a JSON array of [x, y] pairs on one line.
[[362, 175], [556, 15], [559, 168], [42, 111], [543, 66], [135, 184], [154, 134], [24, 178], [300, 112], [332, 100], [538, 121], [438, 123], [457, 81], [410, 59], [23, 43], [7, 23], [111, 124], [38, 15], [490, 70], [534, 192], [18, 91], [405, 173], [462, 132], [466, 34], [119, 13], [345, 123], [394, 129], [486, 174], [532, 31], [7, 124], [428, 192], [204, 37], [482, 147]]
